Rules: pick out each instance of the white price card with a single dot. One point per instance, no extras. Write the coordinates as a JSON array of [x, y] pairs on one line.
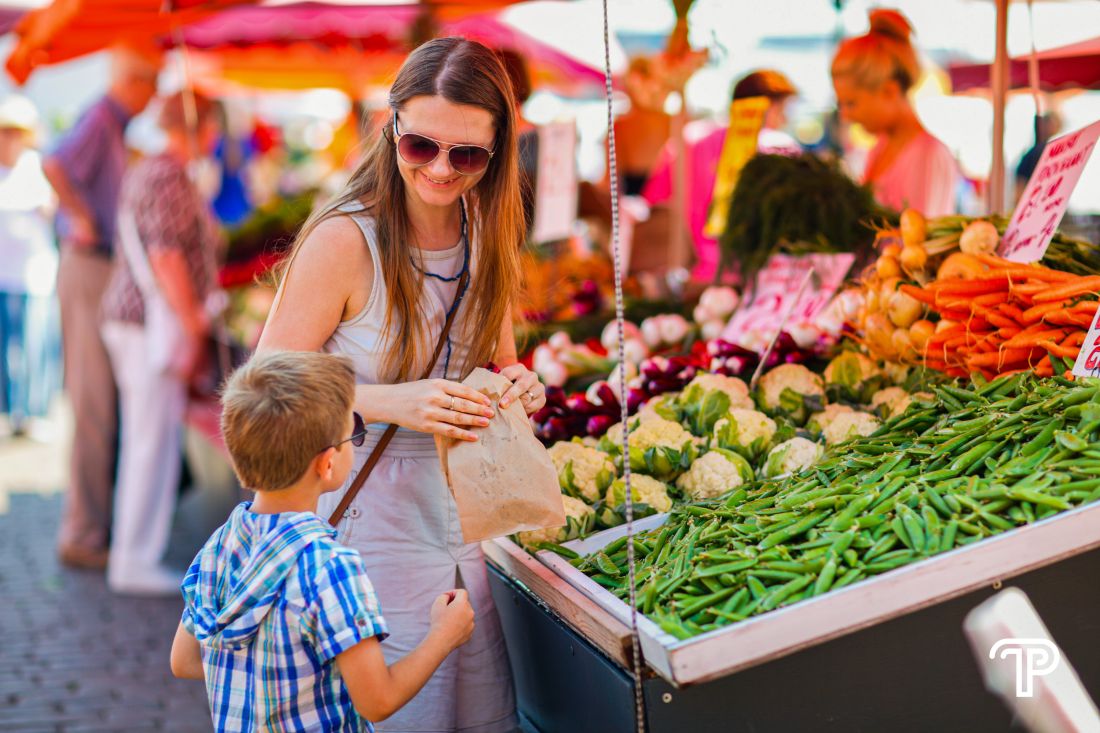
[[1088, 361], [556, 189], [1047, 194]]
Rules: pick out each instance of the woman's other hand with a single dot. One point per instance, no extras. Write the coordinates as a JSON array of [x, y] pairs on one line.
[[526, 388], [438, 406]]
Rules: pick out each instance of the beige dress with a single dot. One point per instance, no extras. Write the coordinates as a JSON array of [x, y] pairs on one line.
[[405, 525]]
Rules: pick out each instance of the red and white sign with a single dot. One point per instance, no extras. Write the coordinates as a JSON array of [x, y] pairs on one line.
[[777, 286], [1088, 361], [1047, 194]]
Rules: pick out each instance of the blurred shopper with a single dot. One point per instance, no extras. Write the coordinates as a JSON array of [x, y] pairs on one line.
[[1046, 126], [86, 172], [155, 328], [872, 76], [703, 149], [28, 267], [642, 131]]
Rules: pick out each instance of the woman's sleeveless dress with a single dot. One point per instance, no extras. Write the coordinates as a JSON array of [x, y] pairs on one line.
[[405, 525]]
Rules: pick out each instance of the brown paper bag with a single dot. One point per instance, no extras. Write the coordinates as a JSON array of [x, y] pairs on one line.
[[505, 482]]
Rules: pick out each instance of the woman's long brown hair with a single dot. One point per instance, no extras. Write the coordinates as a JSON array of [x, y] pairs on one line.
[[462, 72]]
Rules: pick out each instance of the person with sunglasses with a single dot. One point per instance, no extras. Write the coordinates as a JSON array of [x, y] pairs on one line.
[[429, 226]]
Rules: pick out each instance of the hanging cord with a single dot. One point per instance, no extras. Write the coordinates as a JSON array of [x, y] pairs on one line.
[[464, 285], [1033, 60], [613, 174]]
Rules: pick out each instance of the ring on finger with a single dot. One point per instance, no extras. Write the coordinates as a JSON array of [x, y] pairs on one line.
[[451, 407]]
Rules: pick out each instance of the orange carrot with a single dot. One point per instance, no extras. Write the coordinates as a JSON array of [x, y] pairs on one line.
[[1074, 338], [1066, 352], [1029, 339], [1036, 312], [1012, 312], [1085, 306], [971, 287], [998, 359], [920, 294], [1008, 331], [1079, 286]]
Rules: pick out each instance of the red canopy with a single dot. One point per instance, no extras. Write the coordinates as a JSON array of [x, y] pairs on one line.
[[66, 29], [1076, 66]]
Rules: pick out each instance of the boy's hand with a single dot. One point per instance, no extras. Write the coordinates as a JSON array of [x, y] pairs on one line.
[[453, 618]]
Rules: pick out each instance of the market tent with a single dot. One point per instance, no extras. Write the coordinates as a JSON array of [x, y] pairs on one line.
[[351, 47], [66, 29], [1075, 66]]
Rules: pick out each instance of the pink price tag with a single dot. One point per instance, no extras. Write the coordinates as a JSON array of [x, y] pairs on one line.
[[776, 287], [1088, 361], [1044, 202]]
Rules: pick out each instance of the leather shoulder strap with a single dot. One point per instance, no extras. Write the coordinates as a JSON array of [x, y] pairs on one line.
[[376, 454]]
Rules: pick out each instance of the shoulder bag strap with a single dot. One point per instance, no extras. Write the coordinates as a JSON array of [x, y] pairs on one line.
[[376, 454]]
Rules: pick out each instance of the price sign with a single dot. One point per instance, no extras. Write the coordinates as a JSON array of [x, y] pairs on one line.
[[1047, 194], [556, 190], [746, 119], [777, 286], [1088, 361]]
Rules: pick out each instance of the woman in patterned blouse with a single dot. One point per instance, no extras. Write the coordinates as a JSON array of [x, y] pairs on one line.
[[155, 328]]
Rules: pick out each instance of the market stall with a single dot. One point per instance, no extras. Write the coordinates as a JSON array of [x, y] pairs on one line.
[[823, 535]]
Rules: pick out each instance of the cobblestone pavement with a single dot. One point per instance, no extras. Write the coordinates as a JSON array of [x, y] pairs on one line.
[[75, 658]]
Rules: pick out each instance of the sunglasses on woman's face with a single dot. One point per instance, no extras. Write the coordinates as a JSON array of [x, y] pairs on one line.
[[358, 433], [418, 150]]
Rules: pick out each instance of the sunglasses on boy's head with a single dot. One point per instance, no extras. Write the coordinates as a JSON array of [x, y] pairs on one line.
[[418, 150], [358, 433]]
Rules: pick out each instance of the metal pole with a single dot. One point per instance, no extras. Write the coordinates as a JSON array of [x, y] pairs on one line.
[[998, 82]]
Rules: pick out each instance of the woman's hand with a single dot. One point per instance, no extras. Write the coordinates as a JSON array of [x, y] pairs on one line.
[[526, 388], [437, 406]]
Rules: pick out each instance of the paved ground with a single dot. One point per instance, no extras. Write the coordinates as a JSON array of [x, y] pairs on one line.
[[75, 658]]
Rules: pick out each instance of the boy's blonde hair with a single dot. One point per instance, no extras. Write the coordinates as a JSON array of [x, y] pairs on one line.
[[280, 410]]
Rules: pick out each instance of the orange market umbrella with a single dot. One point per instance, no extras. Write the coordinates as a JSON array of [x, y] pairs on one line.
[[66, 29]]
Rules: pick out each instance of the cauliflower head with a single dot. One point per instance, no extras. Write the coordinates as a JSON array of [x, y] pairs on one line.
[[583, 472], [715, 473], [747, 432], [643, 489], [852, 375], [820, 420], [579, 520], [791, 390], [664, 407], [792, 456], [892, 401], [734, 388], [849, 425]]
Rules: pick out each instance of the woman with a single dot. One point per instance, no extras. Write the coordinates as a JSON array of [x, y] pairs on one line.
[[154, 306], [374, 277], [872, 75]]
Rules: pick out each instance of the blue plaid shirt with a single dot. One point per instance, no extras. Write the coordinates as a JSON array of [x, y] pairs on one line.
[[272, 599]]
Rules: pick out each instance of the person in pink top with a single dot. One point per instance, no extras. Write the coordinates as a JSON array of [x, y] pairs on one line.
[[703, 144], [872, 75]]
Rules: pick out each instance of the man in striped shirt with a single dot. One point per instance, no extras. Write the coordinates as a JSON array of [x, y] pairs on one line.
[[279, 619]]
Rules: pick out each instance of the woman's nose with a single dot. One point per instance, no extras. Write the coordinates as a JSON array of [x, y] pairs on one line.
[[440, 168]]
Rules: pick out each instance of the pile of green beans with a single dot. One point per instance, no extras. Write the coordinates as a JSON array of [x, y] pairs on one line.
[[969, 464]]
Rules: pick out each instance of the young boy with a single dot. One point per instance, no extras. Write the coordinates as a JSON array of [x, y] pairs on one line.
[[281, 619]]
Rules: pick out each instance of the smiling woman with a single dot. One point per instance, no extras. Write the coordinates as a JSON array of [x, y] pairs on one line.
[[429, 227]]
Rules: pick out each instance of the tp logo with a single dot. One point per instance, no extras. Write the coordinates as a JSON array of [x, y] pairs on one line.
[[1034, 658]]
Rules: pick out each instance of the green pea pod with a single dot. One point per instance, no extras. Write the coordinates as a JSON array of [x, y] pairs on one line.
[[913, 528], [731, 567], [888, 491], [842, 543], [826, 577], [788, 533], [899, 529], [882, 546], [603, 562], [947, 541], [559, 550], [735, 601], [757, 588], [1070, 442], [851, 558], [844, 519], [937, 501], [780, 594], [848, 578], [1036, 497], [884, 565], [932, 525]]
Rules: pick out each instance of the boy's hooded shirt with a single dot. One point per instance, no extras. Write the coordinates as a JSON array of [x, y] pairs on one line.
[[272, 600]]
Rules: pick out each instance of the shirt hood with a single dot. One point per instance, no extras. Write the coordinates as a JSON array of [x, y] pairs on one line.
[[242, 569]]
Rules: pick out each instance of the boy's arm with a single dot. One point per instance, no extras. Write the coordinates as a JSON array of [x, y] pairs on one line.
[[186, 655], [378, 691]]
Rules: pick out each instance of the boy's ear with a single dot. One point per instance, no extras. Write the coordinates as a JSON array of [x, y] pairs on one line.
[[324, 464]]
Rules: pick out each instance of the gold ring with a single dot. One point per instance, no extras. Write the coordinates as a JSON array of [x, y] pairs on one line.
[[452, 407]]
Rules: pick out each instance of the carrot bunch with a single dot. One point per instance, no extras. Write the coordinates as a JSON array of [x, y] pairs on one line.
[[1010, 318]]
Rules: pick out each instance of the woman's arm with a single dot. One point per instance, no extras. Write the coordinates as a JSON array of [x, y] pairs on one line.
[[506, 353], [526, 386]]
